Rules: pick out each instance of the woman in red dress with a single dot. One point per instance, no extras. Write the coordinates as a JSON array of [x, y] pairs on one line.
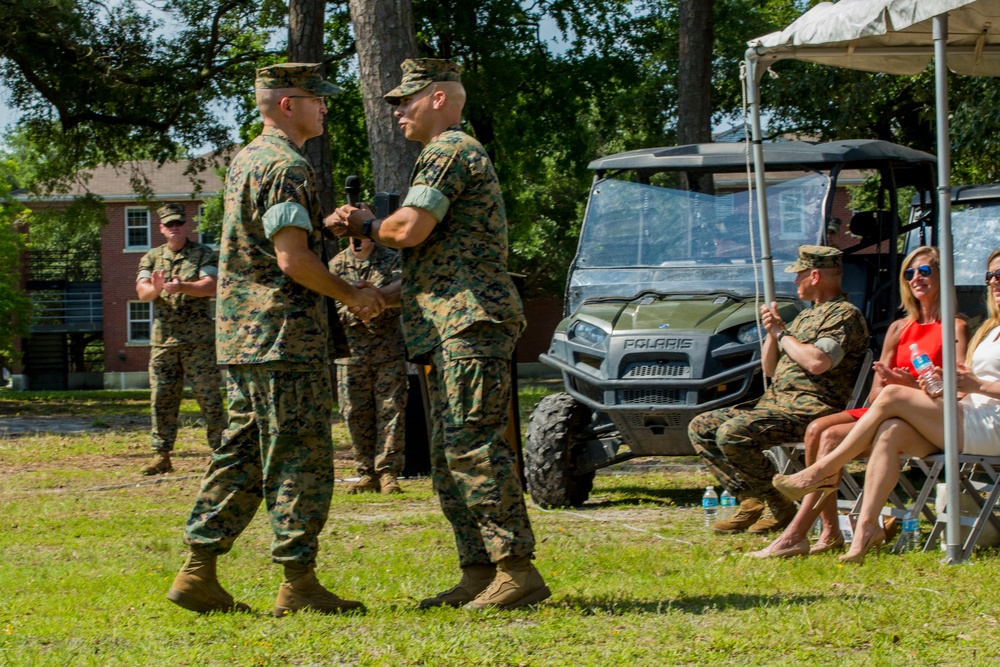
[[919, 288]]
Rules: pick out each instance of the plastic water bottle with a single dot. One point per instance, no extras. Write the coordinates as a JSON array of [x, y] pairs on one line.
[[710, 503], [911, 535], [925, 369], [727, 505]]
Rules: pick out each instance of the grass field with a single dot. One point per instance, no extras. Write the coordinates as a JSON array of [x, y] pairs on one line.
[[89, 549]]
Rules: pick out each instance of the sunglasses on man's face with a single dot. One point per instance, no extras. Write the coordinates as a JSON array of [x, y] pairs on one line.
[[173, 223], [924, 270], [990, 275]]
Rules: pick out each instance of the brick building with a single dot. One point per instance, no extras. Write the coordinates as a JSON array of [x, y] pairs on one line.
[[89, 328]]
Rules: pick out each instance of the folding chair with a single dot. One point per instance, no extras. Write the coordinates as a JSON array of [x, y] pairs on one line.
[[970, 464]]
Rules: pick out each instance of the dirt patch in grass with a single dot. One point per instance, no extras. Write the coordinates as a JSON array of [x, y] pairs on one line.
[[20, 426], [184, 462], [112, 447], [73, 403]]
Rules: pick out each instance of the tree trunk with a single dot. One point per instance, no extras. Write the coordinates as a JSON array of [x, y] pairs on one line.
[[384, 35], [694, 78], [305, 45]]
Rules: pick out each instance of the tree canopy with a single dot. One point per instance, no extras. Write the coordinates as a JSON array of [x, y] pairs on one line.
[[105, 83]]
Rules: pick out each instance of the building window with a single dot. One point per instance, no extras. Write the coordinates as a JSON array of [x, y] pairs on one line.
[[208, 238], [794, 211], [137, 228], [140, 321]]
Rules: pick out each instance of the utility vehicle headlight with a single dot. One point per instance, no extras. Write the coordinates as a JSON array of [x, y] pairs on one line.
[[749, 333], [591, 334]]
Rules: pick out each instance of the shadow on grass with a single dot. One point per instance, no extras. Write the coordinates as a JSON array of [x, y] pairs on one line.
[[692, 604], [632, 495]]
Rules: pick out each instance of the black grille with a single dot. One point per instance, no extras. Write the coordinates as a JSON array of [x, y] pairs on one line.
[[654, 369], [651, 397]]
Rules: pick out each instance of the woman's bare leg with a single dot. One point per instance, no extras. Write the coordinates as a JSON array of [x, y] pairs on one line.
[[893, 436], [829, 520], [920, 411], [823, 434]]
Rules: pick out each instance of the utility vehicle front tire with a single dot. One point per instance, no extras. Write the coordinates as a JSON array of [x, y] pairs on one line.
[[553, 431]]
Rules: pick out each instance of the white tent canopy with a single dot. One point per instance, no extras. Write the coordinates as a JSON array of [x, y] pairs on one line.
[[896, 37], [892, 36]]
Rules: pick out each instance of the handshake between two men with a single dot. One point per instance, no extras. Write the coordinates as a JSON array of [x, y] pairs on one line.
[[406, 227]]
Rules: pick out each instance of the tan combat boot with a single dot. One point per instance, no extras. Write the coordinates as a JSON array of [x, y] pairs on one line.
[[196, 587], [159, 465], [749, 511], [302, 590], [389, 483], [517, 584], [777, 517], [366, 484], [475, 580]]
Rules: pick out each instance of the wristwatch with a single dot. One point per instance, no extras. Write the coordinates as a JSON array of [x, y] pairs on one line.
[[366, 229], [781, 334]]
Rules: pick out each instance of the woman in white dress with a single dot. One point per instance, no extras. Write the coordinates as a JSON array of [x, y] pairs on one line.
[[904, 419]]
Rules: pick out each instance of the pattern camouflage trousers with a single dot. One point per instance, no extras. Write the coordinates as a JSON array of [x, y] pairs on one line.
[[372, 399], [473, 464], [731, 442], [278, 448], [167, 367]]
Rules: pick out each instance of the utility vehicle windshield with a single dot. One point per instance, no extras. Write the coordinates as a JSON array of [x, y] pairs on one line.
[[640, 237], [637, 225], [975, 232]]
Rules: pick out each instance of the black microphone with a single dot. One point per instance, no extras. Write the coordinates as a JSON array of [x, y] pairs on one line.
[[352, 187]]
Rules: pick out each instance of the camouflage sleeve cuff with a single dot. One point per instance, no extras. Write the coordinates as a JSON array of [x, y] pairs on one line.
[[208, 271], [286, 214], [832, 349], [144, 274], [429, 199]]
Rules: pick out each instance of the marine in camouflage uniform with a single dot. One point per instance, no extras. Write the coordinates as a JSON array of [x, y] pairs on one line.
[[179, 277], [462, 317], [271, 331], [732, 440], [462, 313], [371, 381]]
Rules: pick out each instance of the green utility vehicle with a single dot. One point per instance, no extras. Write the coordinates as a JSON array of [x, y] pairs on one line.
[[663, 296]]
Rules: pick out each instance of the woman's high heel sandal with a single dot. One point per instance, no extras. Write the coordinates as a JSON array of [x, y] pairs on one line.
[[823, 547], [874, 542], [825, 487]]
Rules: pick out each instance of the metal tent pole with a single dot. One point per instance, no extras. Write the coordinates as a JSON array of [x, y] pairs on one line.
[[760, 183], [953, 535]]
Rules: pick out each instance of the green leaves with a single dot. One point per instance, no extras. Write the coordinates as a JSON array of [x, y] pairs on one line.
[[104, 84], [14, 306]]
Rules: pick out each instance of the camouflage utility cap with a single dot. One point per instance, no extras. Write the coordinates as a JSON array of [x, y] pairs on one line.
[[419, 73], [169, 212], [306, 76], [816, 257]]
